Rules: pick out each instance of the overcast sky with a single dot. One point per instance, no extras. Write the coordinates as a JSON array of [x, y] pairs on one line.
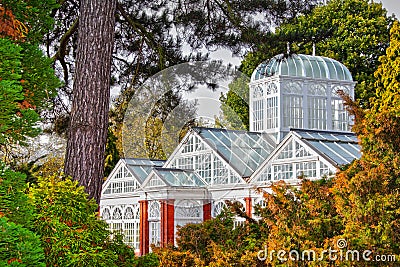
[[392, 6]]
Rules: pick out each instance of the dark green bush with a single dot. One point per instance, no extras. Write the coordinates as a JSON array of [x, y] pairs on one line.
[[19, 246]]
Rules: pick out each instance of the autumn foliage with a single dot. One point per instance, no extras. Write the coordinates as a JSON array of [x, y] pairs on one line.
[[11, 27], [360, 205]]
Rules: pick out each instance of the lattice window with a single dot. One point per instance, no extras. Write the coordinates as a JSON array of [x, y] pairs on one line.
[[130, 186], [129, 233], [155, 233], [198, 144], [221, 173], [317, 113], [301, 151], [271, 88], [340, 117], [234, 178], [239, 222], [266, 175], [317, 90], [286, 152], [293, 88], [123, 172], [137, 235], [272, 112], [283, 171], [117, 227], [324, 169], [262, 203], [155, 181], [203, 166], [188, 147], [292, 111], [218, 208], [307, 169], [129, 213], [258, 115], [185, 163]]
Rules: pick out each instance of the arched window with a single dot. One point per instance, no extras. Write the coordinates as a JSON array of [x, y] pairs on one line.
[[188, 209], [218, 207], [106, 214], [154, 210], [258, 92], [128, 213], [117, 214]]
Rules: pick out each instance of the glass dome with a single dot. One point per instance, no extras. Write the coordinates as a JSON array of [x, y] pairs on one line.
[[299, 65]]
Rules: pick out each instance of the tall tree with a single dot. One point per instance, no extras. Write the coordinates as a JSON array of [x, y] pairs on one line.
[[150, 37], [87, 134]]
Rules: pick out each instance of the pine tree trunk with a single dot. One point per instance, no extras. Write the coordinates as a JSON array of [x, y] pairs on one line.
[[87, 133]]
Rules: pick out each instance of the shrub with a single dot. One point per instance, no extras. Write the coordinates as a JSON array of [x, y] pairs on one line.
[[13, 200], [71, 232], [19, 246]]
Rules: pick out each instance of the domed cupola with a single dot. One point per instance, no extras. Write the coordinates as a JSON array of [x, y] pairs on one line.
[[315, 67], [299, 91]]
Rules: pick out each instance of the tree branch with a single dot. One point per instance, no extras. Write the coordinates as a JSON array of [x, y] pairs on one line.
[[64, 41]]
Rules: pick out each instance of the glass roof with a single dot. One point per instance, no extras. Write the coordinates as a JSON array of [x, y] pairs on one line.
[[244, 151], [341, 148], [299, 65], [141, 168], [178, 177]]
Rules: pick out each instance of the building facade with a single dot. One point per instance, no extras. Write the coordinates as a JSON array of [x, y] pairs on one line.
[[298, 127]]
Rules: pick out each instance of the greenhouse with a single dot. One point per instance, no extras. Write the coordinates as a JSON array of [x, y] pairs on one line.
[[299, 128]]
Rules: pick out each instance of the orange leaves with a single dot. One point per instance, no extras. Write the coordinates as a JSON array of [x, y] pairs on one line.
[[10, 26], [13, 259], [26, 105]]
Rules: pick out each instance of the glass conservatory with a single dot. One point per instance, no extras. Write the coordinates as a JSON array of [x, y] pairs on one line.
[[299, 91], [299, 128]]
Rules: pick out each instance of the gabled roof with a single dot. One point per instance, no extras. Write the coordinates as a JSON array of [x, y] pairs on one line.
[[141, 168], [244, 151], [172, 177], [339, 147]]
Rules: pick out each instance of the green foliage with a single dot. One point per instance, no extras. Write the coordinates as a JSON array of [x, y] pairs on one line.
[[34, 14], [112, 153], [214, 242], [15, 122], [354, 32], [27, 81], [70, 230], [235, 108], [19, 246], [13, 200], [148, 260]]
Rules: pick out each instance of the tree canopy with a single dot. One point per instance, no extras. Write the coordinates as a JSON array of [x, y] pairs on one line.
[[27, 80]]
